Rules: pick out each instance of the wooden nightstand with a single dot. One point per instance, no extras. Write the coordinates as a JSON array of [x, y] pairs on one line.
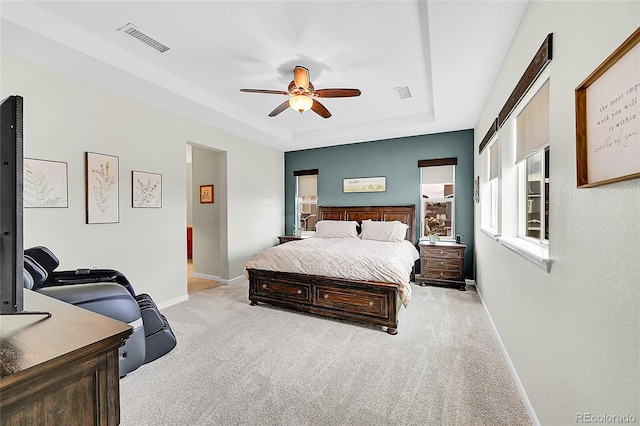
[[442, 263], [286, 238]]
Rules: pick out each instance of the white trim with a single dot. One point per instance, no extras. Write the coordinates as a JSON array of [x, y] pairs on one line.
[[205, 276], [512, 369], [235, 280], [537, 254], [220, 280], [489, 232], [172, 302]]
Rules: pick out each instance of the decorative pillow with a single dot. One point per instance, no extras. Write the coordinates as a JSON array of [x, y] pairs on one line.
[[336, 229], [383, 231]]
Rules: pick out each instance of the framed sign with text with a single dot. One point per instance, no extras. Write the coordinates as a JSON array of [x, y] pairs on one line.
[[608, 119]]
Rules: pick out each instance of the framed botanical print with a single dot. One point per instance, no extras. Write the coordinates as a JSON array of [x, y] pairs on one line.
[[146, 189], [102, 180], [45, 184]]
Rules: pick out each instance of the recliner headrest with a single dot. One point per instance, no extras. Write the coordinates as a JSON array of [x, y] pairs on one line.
[[44, 257], [35, 271]]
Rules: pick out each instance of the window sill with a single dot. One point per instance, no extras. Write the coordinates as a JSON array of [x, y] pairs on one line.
[[534, 253], [490, 232]]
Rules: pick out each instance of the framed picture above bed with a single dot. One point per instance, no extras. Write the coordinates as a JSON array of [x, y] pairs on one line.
[[367, 184]]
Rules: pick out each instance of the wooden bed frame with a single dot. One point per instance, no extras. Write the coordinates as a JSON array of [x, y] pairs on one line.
[[369, 302]]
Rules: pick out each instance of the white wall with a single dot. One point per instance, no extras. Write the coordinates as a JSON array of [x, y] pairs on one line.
[[572, 334], [65, 117]]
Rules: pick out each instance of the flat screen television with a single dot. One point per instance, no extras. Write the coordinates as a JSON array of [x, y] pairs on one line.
[[11, 256]]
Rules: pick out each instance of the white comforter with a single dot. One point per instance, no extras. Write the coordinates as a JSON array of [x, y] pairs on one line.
[[350, 258]]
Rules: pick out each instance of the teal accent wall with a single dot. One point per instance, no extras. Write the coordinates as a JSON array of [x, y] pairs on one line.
[[397, 160]]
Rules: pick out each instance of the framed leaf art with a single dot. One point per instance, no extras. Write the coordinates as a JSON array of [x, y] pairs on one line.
[[102, 181], [45, 184], [146, 191]]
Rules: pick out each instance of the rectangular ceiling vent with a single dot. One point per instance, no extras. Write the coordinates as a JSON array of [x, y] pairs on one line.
[[403, 92], [139, 35]]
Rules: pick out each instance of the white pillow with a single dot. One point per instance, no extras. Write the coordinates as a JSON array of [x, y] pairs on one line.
[[336, 229], [383, 231]]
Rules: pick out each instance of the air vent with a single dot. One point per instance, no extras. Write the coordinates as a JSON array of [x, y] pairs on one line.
[[139, 35], [403, 92]]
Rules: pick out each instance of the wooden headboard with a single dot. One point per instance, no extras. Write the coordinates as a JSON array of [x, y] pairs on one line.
[[404, 214]]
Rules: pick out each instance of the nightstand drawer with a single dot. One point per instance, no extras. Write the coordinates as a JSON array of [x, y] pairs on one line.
[[441, 252], [444, 263], [443, 274]]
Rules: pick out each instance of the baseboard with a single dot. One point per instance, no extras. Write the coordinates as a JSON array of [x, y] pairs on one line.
[[512, 369], [235, 280], [205, 276], [172, 302], [220, 280]]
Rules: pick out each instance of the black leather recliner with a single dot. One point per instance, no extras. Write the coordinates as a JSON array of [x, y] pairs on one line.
[[107, 292]]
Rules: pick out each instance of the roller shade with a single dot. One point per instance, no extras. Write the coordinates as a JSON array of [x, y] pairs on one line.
[[493, 161], [437, 174], [533, 124], [308, 186]]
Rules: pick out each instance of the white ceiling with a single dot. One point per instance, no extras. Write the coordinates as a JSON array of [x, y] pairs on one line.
[[446, 52]]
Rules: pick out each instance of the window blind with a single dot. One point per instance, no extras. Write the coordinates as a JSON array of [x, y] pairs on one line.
[[493, 161], [532, 124], [308, 186], [437, 174]]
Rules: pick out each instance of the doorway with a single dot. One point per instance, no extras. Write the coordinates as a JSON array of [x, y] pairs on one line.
[[206, 217]]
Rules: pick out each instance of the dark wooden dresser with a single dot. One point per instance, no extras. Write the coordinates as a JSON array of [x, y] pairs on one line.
[[442, 263], [61, 370]]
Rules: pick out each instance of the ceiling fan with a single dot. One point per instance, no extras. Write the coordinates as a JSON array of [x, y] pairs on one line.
[[302, 93]]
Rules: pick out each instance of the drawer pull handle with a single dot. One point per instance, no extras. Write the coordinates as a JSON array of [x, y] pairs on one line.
[[326, 295], [441, 252], [370, 302], [442, 274], [264, 286], [299, 291], [441, 263]]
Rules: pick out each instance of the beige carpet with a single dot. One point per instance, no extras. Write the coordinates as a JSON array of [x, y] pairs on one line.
[[237, 364]]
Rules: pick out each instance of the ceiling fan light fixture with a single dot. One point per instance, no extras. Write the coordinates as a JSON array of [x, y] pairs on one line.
[[300, 103]]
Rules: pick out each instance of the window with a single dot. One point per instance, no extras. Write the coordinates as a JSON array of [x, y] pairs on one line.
[[535, 183], [514, 172], [306, 200], [437, 197], [532, 157], [491, 203]]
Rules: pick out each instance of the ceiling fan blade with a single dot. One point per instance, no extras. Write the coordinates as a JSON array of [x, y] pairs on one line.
[[280, 108], [337, 93], [319, 109], [269, 92], [301, 77]]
